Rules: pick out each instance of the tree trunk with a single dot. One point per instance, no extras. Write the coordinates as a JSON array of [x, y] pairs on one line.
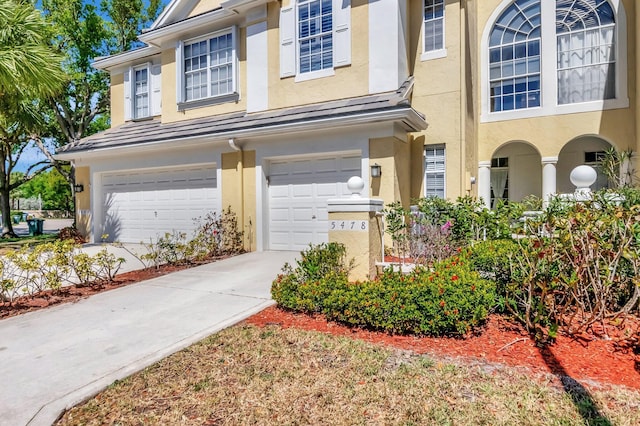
[[5, 209]]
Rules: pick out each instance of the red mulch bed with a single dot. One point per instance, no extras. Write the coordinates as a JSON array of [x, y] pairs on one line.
[[593, 361], [74, 293], [589, 359]]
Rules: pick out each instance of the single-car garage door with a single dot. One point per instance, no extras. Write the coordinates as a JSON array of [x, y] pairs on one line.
[[141, 205], [298, 194]]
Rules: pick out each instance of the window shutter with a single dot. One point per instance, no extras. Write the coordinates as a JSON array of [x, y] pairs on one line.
[[287, 42], [234, 56], [179, 73], [128, 90], [156, 94], [341, 33]]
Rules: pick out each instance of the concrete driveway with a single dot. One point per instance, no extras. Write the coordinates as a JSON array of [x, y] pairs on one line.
[[52, 359]]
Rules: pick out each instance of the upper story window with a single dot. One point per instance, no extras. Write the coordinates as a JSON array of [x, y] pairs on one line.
[[586, 51], [315, 38], [588, 72], [433, 29], [207, 68], [141, 92], [514, 58], [315, 35]]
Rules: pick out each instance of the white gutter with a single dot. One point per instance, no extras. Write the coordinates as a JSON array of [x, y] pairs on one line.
[[107, 62], [405, 114]]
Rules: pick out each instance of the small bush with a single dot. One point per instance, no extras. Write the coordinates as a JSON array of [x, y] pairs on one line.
[[583, 269], [215, 235], [49, 266], [448, 299], [492, 259], [71, 233], [305, 287]]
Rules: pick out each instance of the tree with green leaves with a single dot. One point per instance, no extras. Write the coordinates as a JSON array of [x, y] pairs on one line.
[[127, 19], [30, 73], [53, 189], [81, 31], [27, 65]]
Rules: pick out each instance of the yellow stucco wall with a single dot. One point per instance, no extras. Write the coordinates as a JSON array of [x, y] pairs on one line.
[[550, 133], [349, 81], [363, 247], [170, 111], [395, 182], [239, 191], [83, 201], [117, 99], [438, 94], [204, 6]]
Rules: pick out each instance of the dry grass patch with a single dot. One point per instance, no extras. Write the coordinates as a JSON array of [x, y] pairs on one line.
[[266, 376]]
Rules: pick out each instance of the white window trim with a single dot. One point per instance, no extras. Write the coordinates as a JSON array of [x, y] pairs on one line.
[[424, 179], [434, 54], [549, 85], [289, 42], [312, 75], [439, 53], [181, 101]]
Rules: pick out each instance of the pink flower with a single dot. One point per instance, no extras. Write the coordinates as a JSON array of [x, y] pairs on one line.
[[446, 226]]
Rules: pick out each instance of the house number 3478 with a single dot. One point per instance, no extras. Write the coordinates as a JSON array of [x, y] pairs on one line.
[[348, 225]]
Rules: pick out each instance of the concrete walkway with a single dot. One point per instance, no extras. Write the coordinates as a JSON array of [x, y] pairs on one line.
[[52, 359]]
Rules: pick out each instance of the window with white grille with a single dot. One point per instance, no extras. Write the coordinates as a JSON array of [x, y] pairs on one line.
[[434, 178]]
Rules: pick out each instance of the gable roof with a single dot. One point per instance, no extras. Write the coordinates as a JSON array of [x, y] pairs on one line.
[[179, 10], [387, 107]]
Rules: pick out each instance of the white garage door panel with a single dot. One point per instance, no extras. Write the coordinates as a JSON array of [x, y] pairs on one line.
[[143, 205], [298, 194]]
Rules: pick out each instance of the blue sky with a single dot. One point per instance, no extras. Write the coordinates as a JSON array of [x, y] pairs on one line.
[[31, 155]]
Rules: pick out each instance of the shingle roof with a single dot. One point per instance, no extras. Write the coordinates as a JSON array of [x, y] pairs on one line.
[[153, 131]]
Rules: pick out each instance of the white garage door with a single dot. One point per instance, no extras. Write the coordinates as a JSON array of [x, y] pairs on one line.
[[142, 205], [298, 194]]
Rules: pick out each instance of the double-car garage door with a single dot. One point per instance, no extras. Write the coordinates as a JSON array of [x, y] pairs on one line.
[[141, 205], [298, 194]]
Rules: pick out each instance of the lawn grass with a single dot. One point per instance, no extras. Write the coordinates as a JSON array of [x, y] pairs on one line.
[[272, 376], [16, 243]]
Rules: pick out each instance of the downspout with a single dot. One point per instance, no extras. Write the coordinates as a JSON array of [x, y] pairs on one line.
[[237, 148]]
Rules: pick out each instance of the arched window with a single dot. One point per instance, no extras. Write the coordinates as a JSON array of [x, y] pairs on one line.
[[514, 57], [586, 69], [585, 32]]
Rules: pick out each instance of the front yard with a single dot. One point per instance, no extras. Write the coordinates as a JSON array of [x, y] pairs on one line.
[[254, 375]]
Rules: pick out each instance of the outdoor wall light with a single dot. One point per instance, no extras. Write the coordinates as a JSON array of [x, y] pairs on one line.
[[78, 187], [376, 170]]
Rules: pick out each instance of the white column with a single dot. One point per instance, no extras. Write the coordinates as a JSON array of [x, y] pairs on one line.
[[549, 188], [484, 182]]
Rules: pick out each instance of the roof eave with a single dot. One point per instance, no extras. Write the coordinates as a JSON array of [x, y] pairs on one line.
[[107, 63], [407, 117], [175, 30]]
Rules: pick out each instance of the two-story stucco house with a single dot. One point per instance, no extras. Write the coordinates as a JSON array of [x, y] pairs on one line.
[[270, 106]]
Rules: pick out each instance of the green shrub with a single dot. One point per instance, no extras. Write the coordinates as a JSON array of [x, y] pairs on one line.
[[583, 269], [450, 299], [49, 266], [492, 259], [305, 287]]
